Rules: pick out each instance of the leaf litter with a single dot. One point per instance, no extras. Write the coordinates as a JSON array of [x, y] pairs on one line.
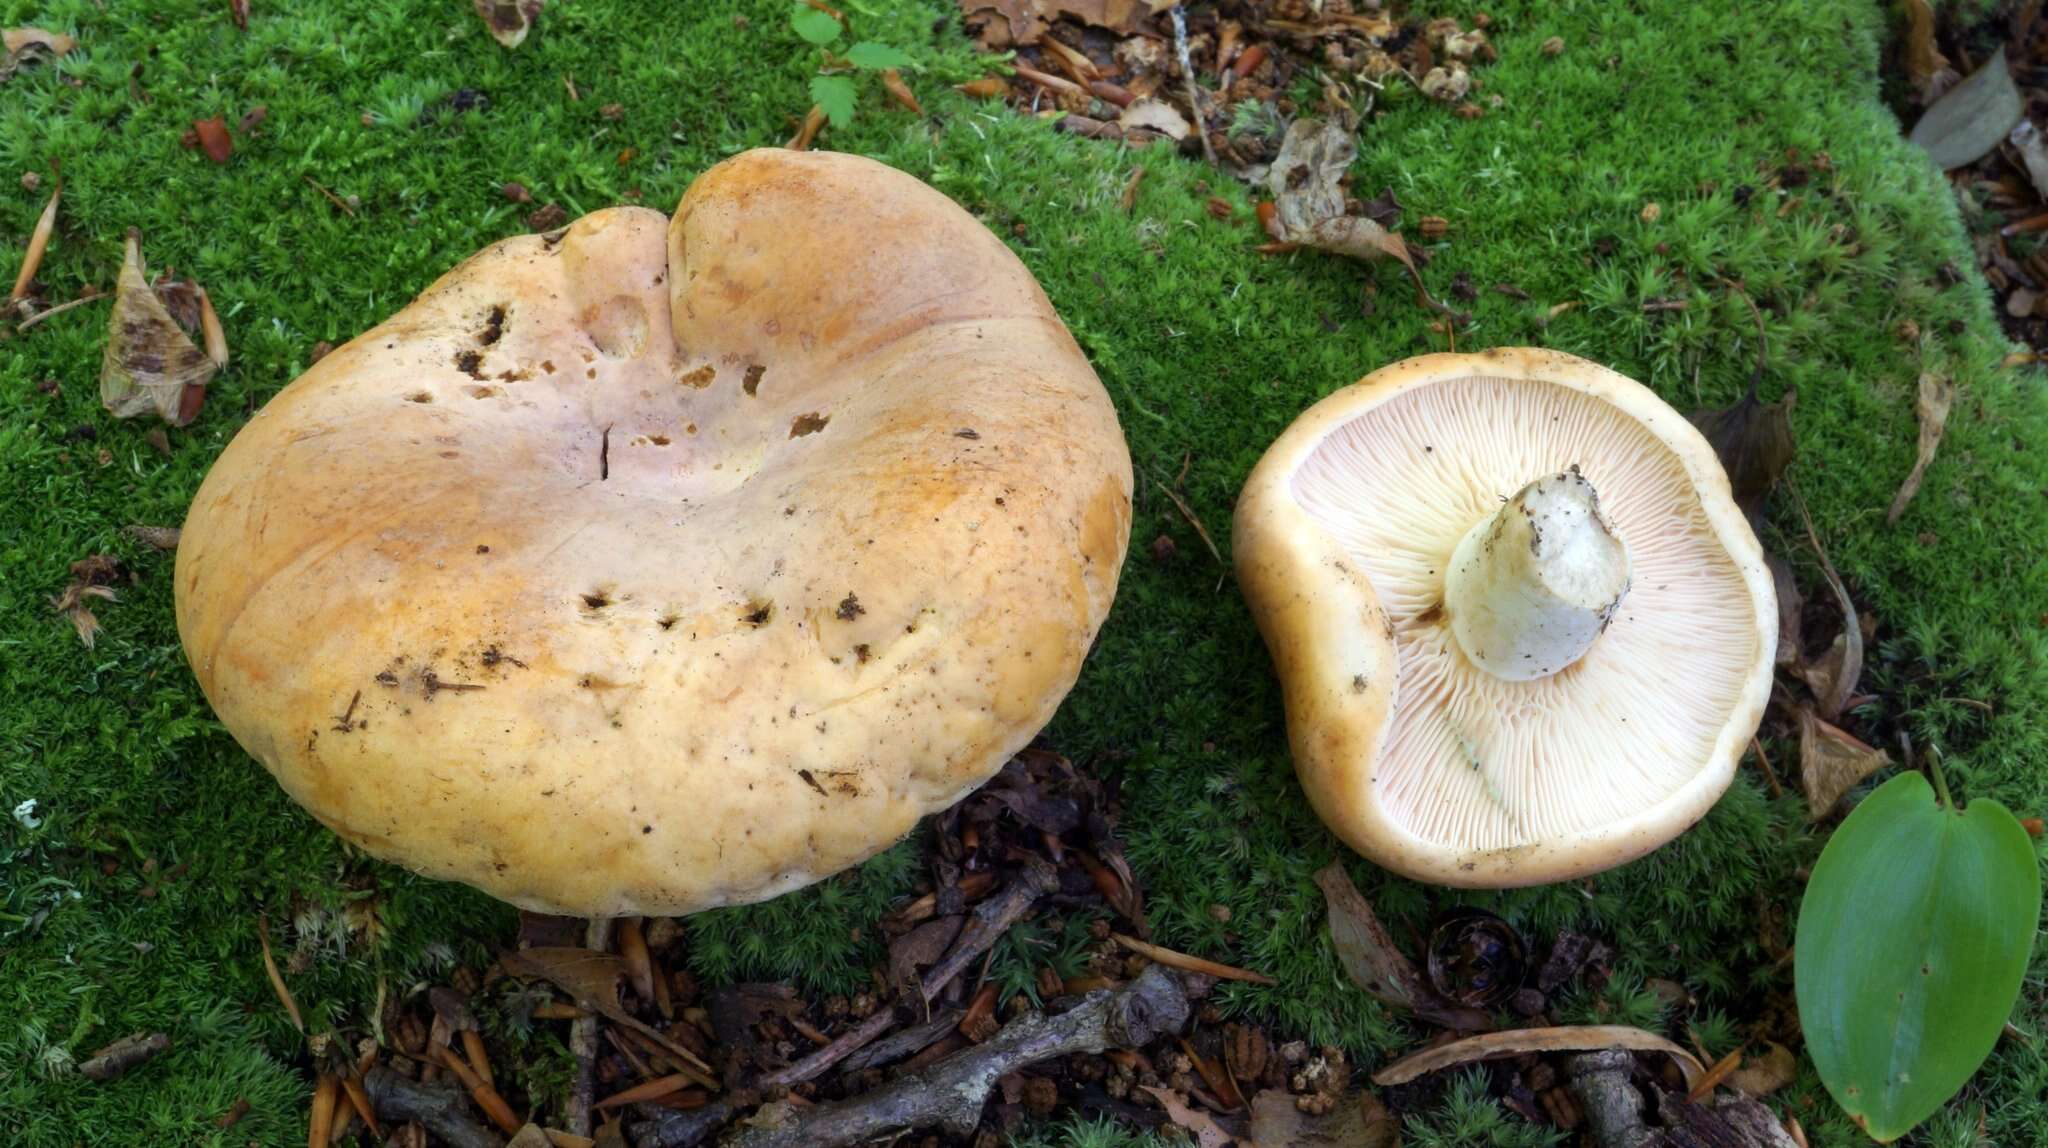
[[151, 364]]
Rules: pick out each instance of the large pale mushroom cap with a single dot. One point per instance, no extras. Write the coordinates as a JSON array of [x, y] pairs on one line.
[[1523, 631], [648, 566]]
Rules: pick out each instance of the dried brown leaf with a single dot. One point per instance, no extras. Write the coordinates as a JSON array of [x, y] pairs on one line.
[[1937, 396], [1831, 762], [509, 20], [1014, 23], [1754, 442], [150, 364], [19, 40], [1790, 605], [1925, 66], [1763, 1075], [1568, 1038], [1155, 115], [277, 985], [38, 243], [593, 978], [214, 139], [1358, 1121], [1844, 665], [238, 10], [1308, 202], [1200, 1125], [1374, 963], [71, 603], [1968, 121]]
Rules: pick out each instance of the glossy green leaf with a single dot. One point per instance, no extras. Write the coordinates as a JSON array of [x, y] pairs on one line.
[[835, 96], [1912, 942], [814, 26], [875, 57]]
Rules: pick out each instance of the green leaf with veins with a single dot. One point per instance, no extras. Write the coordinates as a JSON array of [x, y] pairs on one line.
[[814, 26], [1912, 943], [834, 95], [875, 57]]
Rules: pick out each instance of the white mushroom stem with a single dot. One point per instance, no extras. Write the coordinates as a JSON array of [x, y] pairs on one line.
[[1530, 589]]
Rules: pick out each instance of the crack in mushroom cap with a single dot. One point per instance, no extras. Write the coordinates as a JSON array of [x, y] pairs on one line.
[[651, 565], [1426, 762]]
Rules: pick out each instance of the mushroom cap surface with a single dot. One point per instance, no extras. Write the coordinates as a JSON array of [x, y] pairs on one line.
[[649, 566], [1411, 753]]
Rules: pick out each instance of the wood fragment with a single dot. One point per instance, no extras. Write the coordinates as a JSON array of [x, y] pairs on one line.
[[234, 1114], [583, 1040], [989, 921], [438, 1107], [38, 243], [277, 985], [325, 1096], [117, 1058], [950, 1094], [485, 1096], [1191, 964], [1047, 80]]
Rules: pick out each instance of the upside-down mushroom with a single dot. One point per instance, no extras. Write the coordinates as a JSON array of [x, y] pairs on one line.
[[647, 565], [1522, 629]]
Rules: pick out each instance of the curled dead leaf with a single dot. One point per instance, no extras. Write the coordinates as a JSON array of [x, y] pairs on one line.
[[31, 46], [1200, 1125], [1015, 23], [1358, 1121], [1842, 668], [1831, 762], [892, 82], [1568, 1038], [1155, 115], [214, 139], [1754, 442], [509, 20], [1937, 396], [1763, 1075], [1926, 67], [1308, 202], [1374, 963], [150, 364]]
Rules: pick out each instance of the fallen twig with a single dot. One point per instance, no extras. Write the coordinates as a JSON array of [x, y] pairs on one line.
[[950, 1094], [1187, 75], [990, 920], [92, 295], [583, 1040], [438, 1106], [122, 1055]]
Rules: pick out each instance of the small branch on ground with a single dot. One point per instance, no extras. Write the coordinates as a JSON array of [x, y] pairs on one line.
[[583, 1040], [1603, 1084], [438, 1106], [122, 1055], [991, 919], [950, 1094]]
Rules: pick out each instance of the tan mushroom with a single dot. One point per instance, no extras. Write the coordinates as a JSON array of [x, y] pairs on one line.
[[647, 566], [1522, 630]]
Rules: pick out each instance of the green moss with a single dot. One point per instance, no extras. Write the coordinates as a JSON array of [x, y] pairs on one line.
[[1208, 350]]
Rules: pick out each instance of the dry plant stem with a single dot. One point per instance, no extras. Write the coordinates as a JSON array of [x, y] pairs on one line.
[[439, 1107], [950, 1094], [92, 295], [122, 1055], [991, 919], [583, 1039], [1187, 75], [291, 1007]]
